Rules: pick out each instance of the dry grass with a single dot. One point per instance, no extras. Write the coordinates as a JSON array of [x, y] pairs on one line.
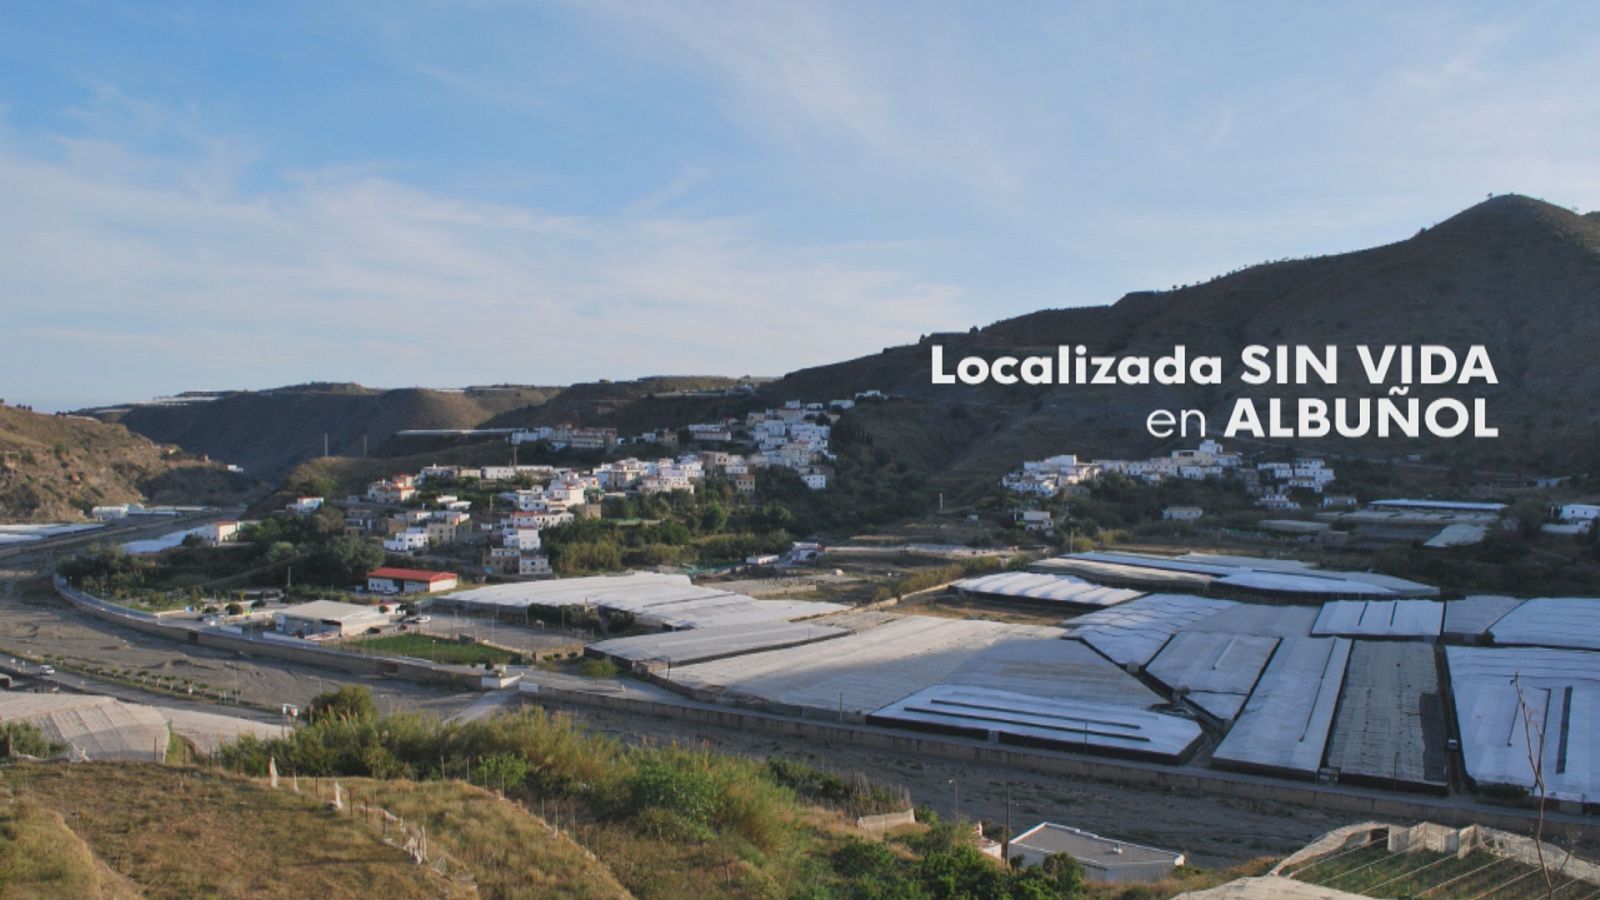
[[41, 859], [102, 830], [511, 852], [188, 833]]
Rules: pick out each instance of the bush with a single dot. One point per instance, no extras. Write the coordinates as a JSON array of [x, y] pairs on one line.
[[351, 703], [597, 668], [25, 739]]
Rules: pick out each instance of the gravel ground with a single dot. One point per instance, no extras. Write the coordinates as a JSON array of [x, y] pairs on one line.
[[34, 621]]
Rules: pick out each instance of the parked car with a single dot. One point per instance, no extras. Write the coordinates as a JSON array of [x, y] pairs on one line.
[[47, 670]]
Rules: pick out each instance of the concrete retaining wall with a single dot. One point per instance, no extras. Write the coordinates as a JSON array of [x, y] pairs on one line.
[[886, 821]]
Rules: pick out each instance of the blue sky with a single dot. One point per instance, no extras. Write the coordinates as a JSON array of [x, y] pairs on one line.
[[209, 195]]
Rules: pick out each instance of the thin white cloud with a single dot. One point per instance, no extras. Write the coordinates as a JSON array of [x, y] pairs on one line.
[[120, 264]]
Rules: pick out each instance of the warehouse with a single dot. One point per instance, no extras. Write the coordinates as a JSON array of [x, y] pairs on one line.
[[1390, 730], [1572, 623], [1133, 633], [1284, 726], [1103, 859], [1026, 720], [1557, 689], [389, 580], [1065, 590], [1470, 618], [327, 618], [657, 600], [679, 648], [878, 665], [1403, 619], [1213, 671]]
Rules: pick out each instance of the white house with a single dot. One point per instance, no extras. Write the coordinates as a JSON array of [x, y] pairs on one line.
[[408, 541], [1578, 512], [523, 539], [1103, 859], [305, 506], [535, 566]]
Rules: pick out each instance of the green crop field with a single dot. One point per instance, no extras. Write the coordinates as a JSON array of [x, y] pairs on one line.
[[440, 650]]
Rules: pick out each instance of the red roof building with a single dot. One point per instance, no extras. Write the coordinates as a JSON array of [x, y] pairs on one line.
[[390, 580]]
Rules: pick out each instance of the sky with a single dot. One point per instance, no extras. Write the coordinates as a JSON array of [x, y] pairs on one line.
[[205, 196]]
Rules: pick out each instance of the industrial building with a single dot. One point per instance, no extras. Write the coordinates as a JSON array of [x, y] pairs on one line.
[[1103, 859], [328, 618], [389, 580]]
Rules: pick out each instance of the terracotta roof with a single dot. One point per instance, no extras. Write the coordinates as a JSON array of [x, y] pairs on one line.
[[409, 574]]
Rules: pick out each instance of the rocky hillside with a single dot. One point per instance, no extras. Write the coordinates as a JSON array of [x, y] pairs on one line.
[[269, 432], [55, 468], [1518, 275]]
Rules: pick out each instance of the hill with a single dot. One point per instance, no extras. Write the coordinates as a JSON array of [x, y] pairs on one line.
[[269, 432], [54, 468], [125, 830], [628, 406], [1518, 275]]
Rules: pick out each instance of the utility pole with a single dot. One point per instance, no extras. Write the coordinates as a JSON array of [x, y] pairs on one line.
[[1005, 846], [363, 446], [324, 443]]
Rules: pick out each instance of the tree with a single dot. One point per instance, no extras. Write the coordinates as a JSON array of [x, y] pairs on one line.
[[1066, 872], [351, 703], [235, 609]]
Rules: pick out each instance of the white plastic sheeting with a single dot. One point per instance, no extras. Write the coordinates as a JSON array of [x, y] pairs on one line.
[[1215, 670], [1051, 588], [668, 601], [100, 729], [1133, 633], [1242, 574], [873, 668], [1284, 726], [702, 644], [1563, 622], [1468, 618], [1381, 619], [1023, 719], [1559, 697], [1390, 727]]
